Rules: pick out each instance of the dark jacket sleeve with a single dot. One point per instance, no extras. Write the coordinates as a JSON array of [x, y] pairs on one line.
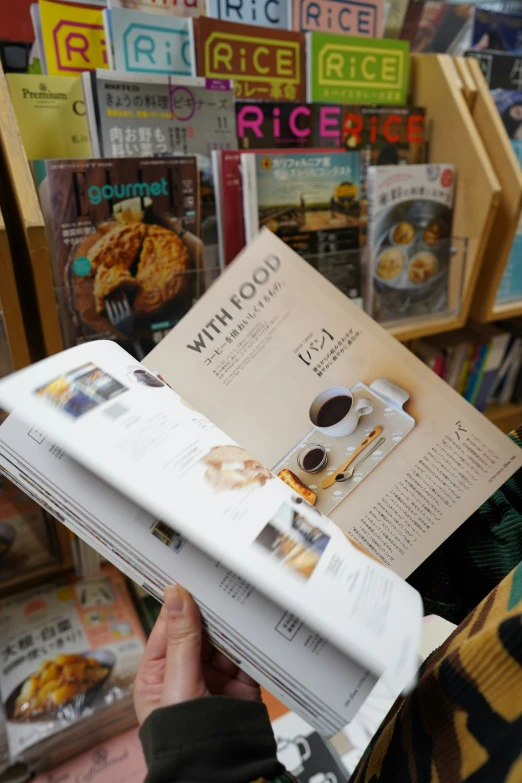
[[216, 739]]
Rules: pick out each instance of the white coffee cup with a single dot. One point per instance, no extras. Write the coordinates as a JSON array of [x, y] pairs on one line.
[[336, 412]]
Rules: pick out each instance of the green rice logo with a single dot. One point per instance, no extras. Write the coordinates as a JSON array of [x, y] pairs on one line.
[[361, 66]]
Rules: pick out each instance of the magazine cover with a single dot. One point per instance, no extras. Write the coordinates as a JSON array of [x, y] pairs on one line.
[[409, 238], [145, 115], [337, 68], [344, 17], [68, 649], [163, 7], [73, 38], [149, 43], [264, 64], [312, 202], [392, 135], [502, 71], [127, 256], [497, 26], [274, 13], [50, 111]]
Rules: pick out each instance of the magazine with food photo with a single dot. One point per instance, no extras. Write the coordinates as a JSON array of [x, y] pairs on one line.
[[142, 439], [287, 353], [409, 241], [153, 116], [127, 258]]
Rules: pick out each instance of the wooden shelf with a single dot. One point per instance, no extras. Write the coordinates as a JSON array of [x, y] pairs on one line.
[[506, 417]]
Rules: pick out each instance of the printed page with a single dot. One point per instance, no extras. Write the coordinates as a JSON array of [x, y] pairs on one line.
[[285, 364], [271, 644], [124, 424]]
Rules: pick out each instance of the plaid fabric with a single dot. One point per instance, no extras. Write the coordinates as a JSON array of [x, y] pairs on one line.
[[477, 556]]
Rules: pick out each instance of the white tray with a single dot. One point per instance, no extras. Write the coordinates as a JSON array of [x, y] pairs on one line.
[[388, 413]]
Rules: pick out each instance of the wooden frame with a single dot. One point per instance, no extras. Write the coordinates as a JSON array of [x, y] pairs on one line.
[[504, 161], [469, 88], [454, 138], [17, 345], [27, 232]]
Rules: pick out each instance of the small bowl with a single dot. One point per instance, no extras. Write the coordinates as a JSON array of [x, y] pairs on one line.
[[319, 465]]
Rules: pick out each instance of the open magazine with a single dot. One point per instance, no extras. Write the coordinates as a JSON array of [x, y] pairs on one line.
[[319, 395]]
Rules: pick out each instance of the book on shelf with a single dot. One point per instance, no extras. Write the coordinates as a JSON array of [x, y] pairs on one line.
[[50, 112], [163, 7], [311, 200], [150, 43], [474, 361], [502, 70], [125, 248], [338, 67], [73, 38], [497, 28], [154, 115], [276, 14], [70, 650], [321, 396], [265, 66], [409, 241]]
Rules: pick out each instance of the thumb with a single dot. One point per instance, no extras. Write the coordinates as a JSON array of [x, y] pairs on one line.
[[183, 670]]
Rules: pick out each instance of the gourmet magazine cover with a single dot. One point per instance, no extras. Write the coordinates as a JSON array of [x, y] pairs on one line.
[[409, 240], [127, 257]]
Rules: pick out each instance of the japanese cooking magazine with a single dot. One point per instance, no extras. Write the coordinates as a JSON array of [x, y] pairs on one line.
[[126, 249], [249, 457], [409, 241]]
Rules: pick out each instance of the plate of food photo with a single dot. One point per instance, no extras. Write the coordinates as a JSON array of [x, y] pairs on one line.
[[67, 680]]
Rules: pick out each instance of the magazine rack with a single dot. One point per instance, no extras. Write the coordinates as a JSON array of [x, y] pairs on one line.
[[453, 137], [507, 169]]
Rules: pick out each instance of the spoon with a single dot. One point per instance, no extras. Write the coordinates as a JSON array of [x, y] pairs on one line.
[[347, 475]]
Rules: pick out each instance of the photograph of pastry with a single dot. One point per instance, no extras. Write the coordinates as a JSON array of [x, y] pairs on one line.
[[168, 536], [231, 468], [350, 431], [128, 260], [81, 390], [293, 540], [57, 683]]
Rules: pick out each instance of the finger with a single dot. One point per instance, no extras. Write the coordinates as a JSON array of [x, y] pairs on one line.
[[157, 642], [183, 671]]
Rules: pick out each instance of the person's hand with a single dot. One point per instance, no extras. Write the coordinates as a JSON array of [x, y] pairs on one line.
[[178, 664]]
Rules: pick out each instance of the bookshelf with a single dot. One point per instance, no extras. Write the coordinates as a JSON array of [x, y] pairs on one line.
[[505, 417]]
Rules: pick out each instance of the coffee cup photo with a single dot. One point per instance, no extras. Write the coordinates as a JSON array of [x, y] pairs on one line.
[[336, 412]]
